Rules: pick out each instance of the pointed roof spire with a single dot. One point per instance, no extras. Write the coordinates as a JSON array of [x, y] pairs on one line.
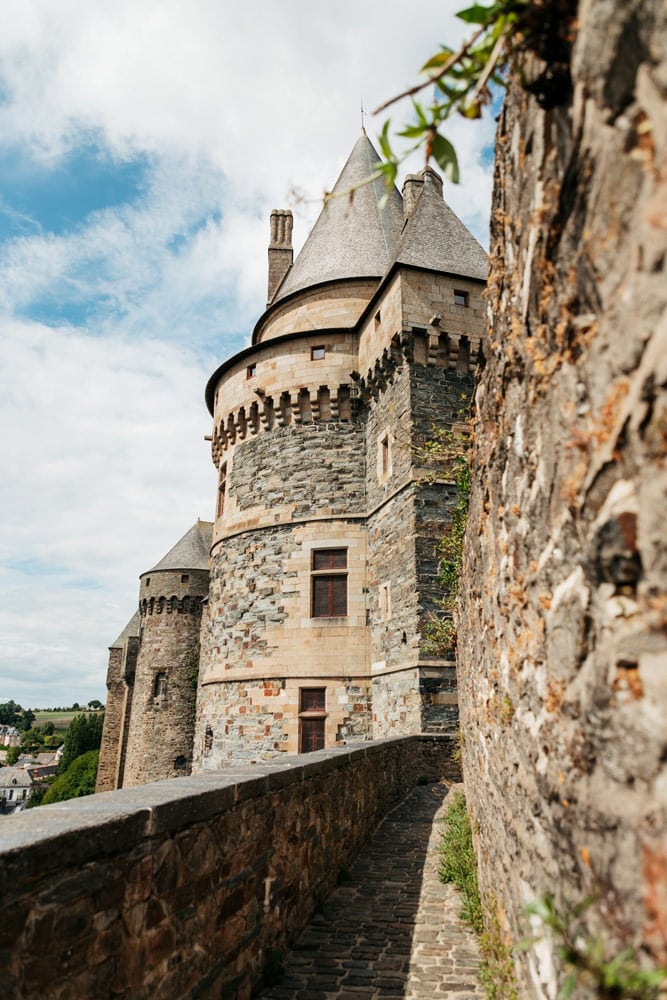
[[357, 232], [191, 552], [433, 236]]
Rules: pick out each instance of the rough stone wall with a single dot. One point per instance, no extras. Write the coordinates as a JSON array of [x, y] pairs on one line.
[[161, 724], [181, 888], [563, 649], [113, 723]]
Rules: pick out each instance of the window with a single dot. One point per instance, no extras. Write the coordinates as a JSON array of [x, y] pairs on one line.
[[378, 319], [222, 488], [312, 719], [251, 371], [329, 583], [160, 686], [460, 298], [185, 578], [384, 456], [317, 353]]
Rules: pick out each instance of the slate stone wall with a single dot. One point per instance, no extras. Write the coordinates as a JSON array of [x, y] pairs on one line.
[[180, 888], [161, 727], [563, 648]]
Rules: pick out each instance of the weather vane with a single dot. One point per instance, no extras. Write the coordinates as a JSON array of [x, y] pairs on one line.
[[363, 113]]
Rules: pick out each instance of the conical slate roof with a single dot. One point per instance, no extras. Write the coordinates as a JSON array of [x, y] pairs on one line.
[[436, 239], [131, 629], [353, 237], [191, 552]]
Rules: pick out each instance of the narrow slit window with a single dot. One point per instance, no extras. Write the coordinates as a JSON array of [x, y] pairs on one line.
[[222, 489]]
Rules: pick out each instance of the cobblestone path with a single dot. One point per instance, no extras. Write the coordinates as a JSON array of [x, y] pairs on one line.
[[391, 931]]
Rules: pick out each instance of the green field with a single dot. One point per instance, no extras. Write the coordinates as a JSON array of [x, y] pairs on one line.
[[60, 720]]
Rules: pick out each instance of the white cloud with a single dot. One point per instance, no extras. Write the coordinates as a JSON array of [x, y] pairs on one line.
[[227, 106]]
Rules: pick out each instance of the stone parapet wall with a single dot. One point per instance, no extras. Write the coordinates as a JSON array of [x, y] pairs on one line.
[[107, 768], [180, 888]]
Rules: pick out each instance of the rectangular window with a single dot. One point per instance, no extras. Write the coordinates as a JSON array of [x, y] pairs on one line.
[[317, 353], [312, 719], [329, 583], [251, 371], [460, 298], [222, 489]]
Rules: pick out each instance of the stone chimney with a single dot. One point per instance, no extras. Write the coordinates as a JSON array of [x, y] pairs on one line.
[[432, 180], [280, 249], [412, 189]]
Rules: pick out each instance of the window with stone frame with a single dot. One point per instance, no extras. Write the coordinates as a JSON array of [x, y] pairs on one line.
[[160, 685], [461, 298], [312, 719], [328, 582], [384, 459]]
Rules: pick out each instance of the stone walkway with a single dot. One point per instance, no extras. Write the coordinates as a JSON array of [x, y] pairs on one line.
[[391, 931]]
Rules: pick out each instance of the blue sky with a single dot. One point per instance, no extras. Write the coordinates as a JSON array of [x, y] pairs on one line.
[[142, 147]]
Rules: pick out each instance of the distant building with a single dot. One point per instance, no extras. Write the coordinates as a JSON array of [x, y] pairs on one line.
[[9, 736], [16, 785]]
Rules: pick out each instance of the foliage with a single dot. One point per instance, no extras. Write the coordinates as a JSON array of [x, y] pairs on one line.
[[13, 754], [84, 733], [461, 84], [585, 957], [458, 865], [77, 780], [446, 451], [457, 860], [12, 714]]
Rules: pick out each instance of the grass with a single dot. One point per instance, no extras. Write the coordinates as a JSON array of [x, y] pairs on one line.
[[60, 720]]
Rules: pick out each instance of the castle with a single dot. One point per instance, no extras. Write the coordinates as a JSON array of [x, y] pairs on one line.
[[296, 620]]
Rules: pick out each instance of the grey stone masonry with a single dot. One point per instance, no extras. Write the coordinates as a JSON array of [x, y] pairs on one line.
[[183, 888], [391, 930]]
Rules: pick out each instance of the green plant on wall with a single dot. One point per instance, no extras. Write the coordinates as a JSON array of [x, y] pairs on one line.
[[586, 957], [445, 455]]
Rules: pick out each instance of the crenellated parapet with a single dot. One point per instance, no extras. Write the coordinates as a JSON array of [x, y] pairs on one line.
[[186, 605], [303, 405]]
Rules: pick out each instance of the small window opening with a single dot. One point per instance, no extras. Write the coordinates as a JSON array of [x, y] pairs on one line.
[[384, 596], [317, 353], [251, 371], [185, 578], [378, 319], [461, 298], [148, 580], [160, 686], [329, 583]]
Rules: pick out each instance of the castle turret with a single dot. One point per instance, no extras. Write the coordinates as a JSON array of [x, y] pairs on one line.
[[161, 723], [323, 571]]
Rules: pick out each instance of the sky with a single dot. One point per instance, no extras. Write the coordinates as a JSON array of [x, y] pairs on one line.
[[142, 148]]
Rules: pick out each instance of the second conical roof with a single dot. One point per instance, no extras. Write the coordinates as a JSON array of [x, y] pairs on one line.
[[191, 552], [357, 232]]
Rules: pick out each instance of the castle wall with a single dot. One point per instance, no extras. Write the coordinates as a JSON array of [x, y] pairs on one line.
[[112, 729], [564, 631], [302, 487], [181, 888], [161, 724]]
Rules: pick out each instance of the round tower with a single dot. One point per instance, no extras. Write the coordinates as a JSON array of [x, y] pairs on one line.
[[161, 724]]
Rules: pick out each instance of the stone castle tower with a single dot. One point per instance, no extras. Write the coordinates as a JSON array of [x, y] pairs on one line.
[[323, 569]]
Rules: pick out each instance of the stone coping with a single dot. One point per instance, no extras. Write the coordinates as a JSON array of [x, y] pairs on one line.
[[104, 824]]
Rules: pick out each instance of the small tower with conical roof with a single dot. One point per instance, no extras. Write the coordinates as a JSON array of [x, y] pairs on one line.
[[155, 732]]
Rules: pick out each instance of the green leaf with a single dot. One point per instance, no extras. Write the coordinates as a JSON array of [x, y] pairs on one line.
[[444, 155], [477, 14], [383, 139], [413, 132], [568, 986], [438, 60]]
